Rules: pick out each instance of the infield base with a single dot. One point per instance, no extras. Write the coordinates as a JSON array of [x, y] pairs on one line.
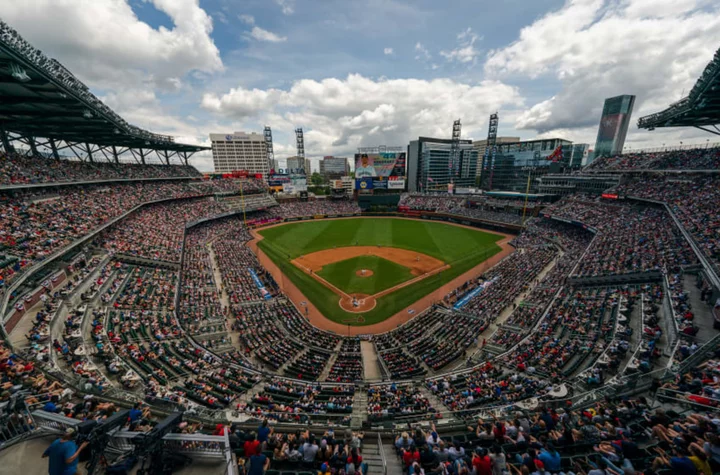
[[357, 303]]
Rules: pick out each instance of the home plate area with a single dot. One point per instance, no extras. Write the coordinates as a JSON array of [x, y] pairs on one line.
[[360, 275]]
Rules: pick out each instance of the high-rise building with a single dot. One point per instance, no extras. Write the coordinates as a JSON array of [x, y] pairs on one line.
[[512, 165], [481, 146], [430, 165], [614, 124], [240, 151], [296, 163], [334, 167]]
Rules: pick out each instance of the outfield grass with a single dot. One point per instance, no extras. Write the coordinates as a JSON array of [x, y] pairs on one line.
[[462, 248], [386, 274]]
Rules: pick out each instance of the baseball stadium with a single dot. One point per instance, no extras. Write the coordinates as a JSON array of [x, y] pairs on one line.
[[157, 319]]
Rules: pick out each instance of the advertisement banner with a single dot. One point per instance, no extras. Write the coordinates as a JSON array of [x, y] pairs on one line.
[[380, 184], [299, 182], [373, 165], [336, 184], [397, 184], [364, 184], [289, 188], [266, 295]]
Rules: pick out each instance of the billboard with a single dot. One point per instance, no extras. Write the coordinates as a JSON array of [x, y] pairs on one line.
[[373, 165], [396, 184], [364, 184]]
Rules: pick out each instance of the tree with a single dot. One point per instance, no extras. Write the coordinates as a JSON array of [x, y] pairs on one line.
[[317, 179]]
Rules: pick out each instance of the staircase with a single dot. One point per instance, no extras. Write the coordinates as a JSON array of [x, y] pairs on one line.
[[380, 458], [359, 413]]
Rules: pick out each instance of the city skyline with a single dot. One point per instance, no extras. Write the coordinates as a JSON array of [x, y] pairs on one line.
[[365, 73]]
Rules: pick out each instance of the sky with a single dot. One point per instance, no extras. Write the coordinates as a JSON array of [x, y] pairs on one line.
[[377, 72]]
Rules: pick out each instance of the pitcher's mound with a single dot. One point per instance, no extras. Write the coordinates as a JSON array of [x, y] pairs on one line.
[[357, 303], [364, 273]]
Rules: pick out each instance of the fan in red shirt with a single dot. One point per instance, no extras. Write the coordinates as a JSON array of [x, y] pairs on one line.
[[482, 463], [411, 455], [251, 447]]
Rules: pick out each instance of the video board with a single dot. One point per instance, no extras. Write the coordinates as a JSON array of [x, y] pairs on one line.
[[375, 165]]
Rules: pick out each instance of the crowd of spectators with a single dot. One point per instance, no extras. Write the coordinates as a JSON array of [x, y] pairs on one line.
[[691, 159], [299, 209], [156, 231], [18, 169], [34, 225], [692, 198], [393, 401], [631, 238]]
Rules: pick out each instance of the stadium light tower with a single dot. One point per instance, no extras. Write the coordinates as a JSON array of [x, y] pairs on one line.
[[491, 148], [269, 146], [300, 141], [455, 150]]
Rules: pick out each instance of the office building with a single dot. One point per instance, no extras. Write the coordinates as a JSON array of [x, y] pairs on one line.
[[240, 151], [430, 166], [513, 164], [334, 167], [614, 124], [481, 147], [297, 163]]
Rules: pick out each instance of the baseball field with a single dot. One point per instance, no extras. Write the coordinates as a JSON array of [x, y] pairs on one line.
[[361, 271]]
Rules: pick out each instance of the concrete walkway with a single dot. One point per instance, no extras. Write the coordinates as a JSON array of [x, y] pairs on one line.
[[224, 298], [371, 365]]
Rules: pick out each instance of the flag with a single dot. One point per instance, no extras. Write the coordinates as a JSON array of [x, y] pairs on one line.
[[557, 154]]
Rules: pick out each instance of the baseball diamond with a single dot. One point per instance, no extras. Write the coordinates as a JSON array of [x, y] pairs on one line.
[[409, 259]]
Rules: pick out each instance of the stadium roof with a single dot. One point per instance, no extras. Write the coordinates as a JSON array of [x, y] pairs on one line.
[[701, 108], [39, 97]]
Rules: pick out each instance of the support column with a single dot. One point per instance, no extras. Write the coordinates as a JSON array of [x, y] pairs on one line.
[[115, 154], [167, 159], [33, 146], [89, 152], [6, 142], [55, 153], [142, 156]]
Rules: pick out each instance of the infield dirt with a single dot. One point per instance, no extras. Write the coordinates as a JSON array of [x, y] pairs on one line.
[[404, 315]]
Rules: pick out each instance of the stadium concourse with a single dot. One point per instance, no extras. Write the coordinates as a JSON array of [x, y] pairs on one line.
[[592, 344]]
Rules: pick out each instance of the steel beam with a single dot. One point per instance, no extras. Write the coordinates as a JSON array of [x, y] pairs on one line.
[[7, 146], [55, 153]]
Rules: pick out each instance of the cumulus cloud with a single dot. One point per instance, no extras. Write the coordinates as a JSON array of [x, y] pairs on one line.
[[596, 49], [98, 39], [465, 53], [388, 51], [339, 115], [265, 35]]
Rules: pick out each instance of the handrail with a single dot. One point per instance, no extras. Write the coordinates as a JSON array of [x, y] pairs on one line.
[[381, 449], [61, 252], [707, 265]]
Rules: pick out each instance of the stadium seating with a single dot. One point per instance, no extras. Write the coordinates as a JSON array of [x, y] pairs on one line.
[[174, 316]]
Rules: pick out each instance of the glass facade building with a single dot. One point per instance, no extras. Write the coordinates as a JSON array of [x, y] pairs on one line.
[[510, 165], [614, 125], [431, 167], [334, 167]]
